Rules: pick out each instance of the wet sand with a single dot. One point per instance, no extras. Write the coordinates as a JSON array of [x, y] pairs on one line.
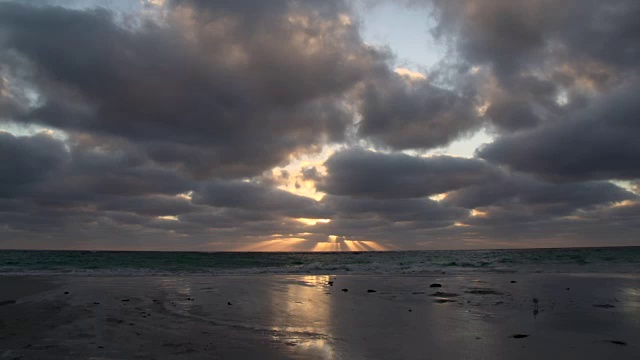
[[480, 316]]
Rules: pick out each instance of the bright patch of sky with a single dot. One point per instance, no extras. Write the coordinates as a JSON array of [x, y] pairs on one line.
[[405, 29]]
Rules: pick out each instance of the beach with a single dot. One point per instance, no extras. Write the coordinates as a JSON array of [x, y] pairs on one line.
[[469, 316]]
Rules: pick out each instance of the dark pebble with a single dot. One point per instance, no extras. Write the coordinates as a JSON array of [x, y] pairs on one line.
[[567, 289], [7, 302], [417, 292], [371, 291], [513, 281], [519, 336], [410, 310], [229, 303], [444, 294], [96, 303], [125, 300], [443, 301], [617, 342], [66, 293], [483, 291], [330, 283], [435, 285], [345, 290], [604, 306]]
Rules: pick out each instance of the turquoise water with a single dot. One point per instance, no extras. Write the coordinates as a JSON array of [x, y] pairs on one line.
[[620, 259]]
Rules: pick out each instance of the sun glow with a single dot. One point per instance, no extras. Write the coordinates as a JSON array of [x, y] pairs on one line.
[[168, 217], [312, 222], [335, 245], [409, 74], [187, 195], [282, 244], [438, 197], [478, 213], [291, 177]]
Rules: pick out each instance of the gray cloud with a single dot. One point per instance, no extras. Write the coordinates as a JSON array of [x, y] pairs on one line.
[[600, 142], [539, 50], [168, 122], [24, 161], [260, 198], [406, 114], [361, 173], [194, 91]]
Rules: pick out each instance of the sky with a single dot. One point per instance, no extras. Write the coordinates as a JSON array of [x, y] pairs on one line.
[[319, 125]]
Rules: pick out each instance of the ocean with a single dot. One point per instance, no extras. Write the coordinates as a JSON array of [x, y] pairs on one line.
[[95, 263]]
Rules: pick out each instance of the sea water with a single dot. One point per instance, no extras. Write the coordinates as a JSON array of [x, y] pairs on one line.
[[575, 260]]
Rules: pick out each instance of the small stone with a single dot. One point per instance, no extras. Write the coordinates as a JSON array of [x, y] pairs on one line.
[[567, 289], [519, 336], [617, 342], [410, 310], [66, 293], [604, 306], [345, 290], [371, 291], [125, 300], [435, 285], [330, 283], [7, 302], [229, 303], [513, 281], [444, 294], [96, 303], [443, 301]]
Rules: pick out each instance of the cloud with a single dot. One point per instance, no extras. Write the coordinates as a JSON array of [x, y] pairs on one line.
[[259, 198], [535, 52], [186, 124], [599, 142], [411, 113], [361, 173], [27, 160], [212, 79]]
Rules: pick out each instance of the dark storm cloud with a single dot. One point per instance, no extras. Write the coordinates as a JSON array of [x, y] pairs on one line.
[[394, 210], [569, 48], [512, 35], [258, 197], [212, 90], [26, 160], [529, 192], [413, 113], [150, 205], [168, 122], [600, 142], [362, 173], [66, 190]]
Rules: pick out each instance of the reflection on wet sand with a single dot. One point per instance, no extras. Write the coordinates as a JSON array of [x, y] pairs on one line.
[[307, 315]]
